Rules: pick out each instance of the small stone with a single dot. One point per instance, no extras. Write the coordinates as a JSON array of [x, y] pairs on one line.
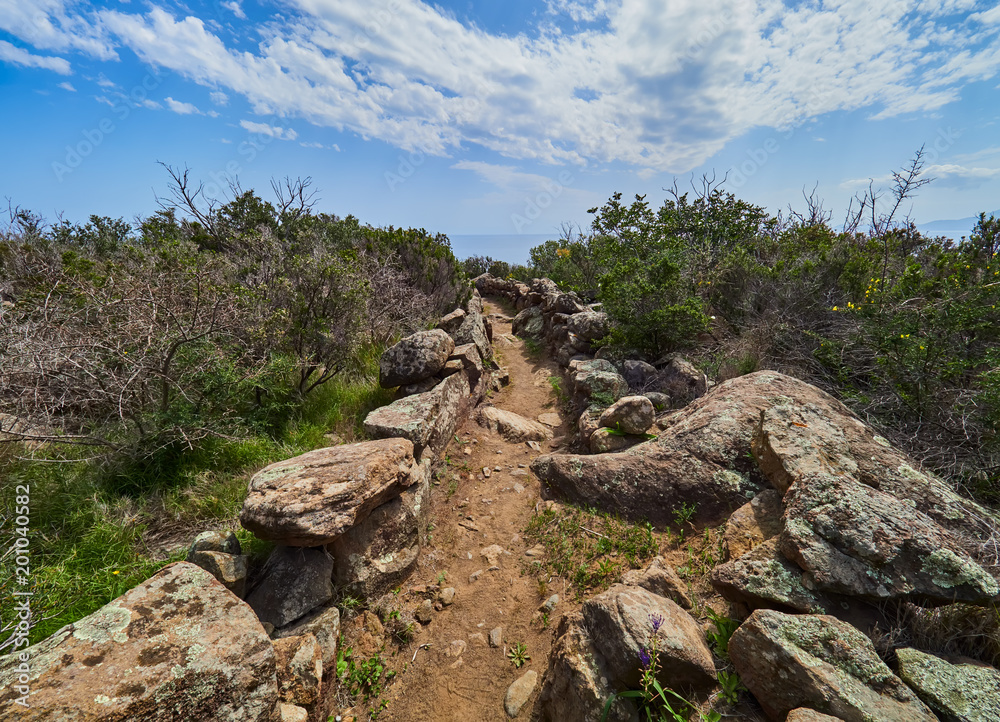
[[519, 692], [492, 554], [456, 648], [518, 488], [475, 575], [534, 445], [268, 628], [292, 713], [215, 541], [478, 639], [425, 612], [535, 551], [496, 637], [550, 604], [487, 471], [467, 451], [447, 596]]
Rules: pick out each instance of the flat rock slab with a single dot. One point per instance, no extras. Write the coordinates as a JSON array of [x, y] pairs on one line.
[[957, 692], [815, 661], [178, 647], [426, 419], [312, 499], [512, 427], [855, 540]]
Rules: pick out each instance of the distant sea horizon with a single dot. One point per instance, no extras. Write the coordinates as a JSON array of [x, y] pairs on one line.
[[509, 247]]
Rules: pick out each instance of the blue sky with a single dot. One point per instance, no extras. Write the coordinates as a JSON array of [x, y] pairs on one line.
[[502, 118]]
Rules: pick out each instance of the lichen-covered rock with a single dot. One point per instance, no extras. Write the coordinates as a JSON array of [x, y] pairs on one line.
[[513, 427], [295, 582], [815, 661], [452, 321], [177, 648], [603, 386], [753, 523], [855, 540], [606, 441], [638, 374], [475, 329], [310, 500], [230, 569], [763, 577], [957, 692], [576, 685], [567, 303], [587, 424], [589, 325], [529, 323], [661, 579], [299, 667], [414, 358], [661, 402], [427, 420], [380, 552], [631, 414], [215, 541], [472, 362], [292, 713], [591, 364], [621, 622]]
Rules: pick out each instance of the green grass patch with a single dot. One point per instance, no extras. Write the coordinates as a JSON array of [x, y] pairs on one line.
[[589, 548]]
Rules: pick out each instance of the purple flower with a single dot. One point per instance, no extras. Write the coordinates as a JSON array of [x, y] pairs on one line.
[[644, 658], [657, 621]]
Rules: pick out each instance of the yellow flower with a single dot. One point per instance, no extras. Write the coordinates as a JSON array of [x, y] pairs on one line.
[[116, 572], [834, 308]]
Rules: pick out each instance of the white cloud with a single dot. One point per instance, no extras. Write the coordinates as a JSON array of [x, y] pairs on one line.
[[269, 130], [218, 97], [182, 108], [236, 8], [660, 86], [319, 146], [19, 56], [66, 85]]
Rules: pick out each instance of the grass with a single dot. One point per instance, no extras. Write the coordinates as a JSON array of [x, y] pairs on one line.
[[589, 548], [97, 530]]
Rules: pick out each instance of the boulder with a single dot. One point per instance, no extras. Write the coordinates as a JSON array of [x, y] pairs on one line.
[[682, 381], [177, 648], [606, 441], [638, 374], [475, 329], [607, 386], [529, 323], [592, 364], [753, 523], [230, 569], [567, 303], [855, 540], [451, 322], [957, 692], [415, 358], [632, 415], [299, 666], [310, 500], [589, 325], [587, 424], [576, 685], [215, 541], [815, 661], [380, 552], [622, 621], [763, 577], [428, 420], [324, 625], [661, 579], [512, 427], [294, 582], [472, 362], [543, 286]]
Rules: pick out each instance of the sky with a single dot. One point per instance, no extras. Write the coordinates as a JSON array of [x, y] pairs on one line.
[[509, 119]]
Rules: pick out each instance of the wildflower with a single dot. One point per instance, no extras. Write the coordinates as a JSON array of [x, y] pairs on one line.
[[657, 621], [644, 658], [116, 572], [834, 308]]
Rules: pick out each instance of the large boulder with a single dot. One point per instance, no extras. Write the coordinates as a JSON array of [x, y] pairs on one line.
[[682, 381], [631, 415], [415, 358], [815, 661], [589, 325], [512, 427], [380, 552], [624, 621], [593, 380], [576, 685], [177, 648], [855, 540], [428, 420], [312, 499], [960, 692], [529, 323], [295, 582], [639, 374]]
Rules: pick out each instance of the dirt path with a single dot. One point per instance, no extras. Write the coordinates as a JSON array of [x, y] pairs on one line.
[[459, 676]]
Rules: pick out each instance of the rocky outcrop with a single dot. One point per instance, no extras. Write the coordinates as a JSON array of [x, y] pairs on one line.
[[415, 358], [177, 648], [815, 661], [962, 692], [312, 499], [377, 554], [512, 427]]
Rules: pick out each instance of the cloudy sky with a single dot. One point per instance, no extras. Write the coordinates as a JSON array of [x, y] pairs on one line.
[[489, 117]]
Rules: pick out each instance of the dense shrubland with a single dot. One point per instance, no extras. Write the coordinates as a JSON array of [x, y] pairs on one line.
[[145, 367], [901, 326]]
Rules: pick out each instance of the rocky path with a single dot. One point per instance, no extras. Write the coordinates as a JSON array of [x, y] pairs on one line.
[[450, 671]]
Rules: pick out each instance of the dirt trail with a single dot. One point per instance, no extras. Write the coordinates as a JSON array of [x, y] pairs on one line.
[[470, 512]]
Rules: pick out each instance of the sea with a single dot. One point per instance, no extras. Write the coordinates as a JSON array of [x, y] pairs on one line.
[[512, 248]]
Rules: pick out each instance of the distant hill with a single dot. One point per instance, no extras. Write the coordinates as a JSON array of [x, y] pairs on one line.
[[952, 228]]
